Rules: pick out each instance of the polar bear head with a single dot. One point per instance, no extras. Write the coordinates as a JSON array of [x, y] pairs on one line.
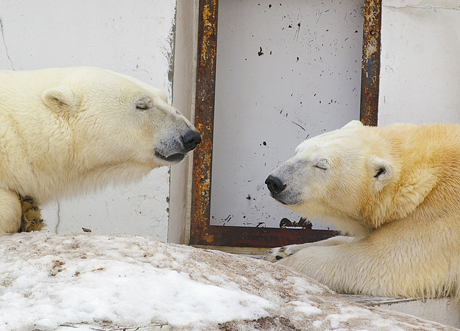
[[115, 118], [332, 176]]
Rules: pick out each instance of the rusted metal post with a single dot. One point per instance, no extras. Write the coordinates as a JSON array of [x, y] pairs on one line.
[[370, 74], [204, 120]]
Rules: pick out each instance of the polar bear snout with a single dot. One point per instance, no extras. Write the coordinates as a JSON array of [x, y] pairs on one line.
[[173, 150], [190, 140], [275, 185], [277, 188], [281, 185]]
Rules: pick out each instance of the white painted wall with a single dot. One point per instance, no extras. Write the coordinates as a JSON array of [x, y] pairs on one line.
[[285, 70], [420, 66], [130, 37]]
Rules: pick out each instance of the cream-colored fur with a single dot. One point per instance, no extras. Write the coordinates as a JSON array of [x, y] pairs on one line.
[[65, 132], [396, 190]]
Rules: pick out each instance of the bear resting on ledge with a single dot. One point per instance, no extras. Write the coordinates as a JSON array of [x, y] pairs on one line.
[[396, 191]]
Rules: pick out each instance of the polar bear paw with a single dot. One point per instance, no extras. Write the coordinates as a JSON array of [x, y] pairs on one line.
[[31, 219], [278, 253]]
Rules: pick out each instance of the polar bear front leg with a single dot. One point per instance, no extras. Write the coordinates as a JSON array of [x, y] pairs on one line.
[[356, 268], [330, 265], [10, 212], [278, 253]]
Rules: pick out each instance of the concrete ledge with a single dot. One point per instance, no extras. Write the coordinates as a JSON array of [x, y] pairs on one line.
[[444, 311]]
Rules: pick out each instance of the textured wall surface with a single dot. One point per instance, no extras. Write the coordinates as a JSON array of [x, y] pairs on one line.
[[285, 71], [419, 77]]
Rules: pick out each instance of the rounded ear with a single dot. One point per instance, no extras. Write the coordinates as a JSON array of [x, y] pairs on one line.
[[60, 99], [383, 172], [352, 123]]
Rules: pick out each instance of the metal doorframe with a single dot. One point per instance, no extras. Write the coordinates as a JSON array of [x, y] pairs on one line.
[[201, 231]]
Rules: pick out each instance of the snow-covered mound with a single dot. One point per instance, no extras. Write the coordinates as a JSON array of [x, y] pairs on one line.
[[114, 282]]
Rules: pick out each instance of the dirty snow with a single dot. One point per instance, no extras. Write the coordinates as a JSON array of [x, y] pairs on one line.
[[117, 282]]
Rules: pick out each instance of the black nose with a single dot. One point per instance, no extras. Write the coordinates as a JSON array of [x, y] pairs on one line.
[[275, 185], [191, 139]]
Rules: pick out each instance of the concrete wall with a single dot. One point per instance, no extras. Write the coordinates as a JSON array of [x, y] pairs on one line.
[[420, 67], [131, 37]]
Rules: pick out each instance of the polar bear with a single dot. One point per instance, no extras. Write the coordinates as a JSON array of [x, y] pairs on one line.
[[69, 131], [395, 190]]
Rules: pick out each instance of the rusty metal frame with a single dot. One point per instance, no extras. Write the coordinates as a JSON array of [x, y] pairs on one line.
[[370, 73], [201, 232]]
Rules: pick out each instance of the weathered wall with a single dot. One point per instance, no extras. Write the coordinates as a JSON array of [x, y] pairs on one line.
[[420, 67], [131, 37], [285, 71]]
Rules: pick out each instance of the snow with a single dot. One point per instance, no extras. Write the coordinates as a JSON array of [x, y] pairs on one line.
[[115, 282]]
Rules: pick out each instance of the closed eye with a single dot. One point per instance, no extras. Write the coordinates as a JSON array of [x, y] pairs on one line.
[[322, 164], [142, 105], [320, 167]]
